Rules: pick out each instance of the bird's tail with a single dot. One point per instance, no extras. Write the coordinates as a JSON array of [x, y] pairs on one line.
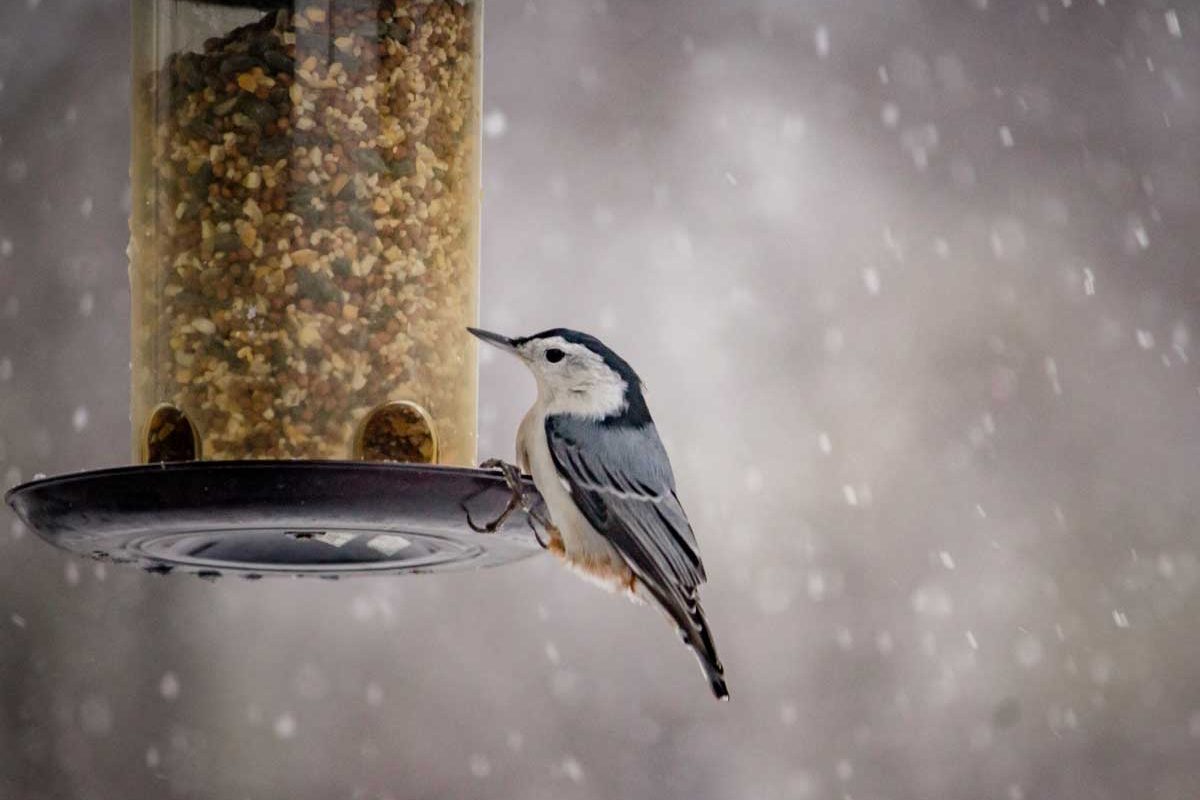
[[699, 639], [689, 618]]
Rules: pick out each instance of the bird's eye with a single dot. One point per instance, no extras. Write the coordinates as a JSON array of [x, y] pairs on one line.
[[554, 355]]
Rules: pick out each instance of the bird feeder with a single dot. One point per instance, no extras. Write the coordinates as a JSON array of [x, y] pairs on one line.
[[303, 264]]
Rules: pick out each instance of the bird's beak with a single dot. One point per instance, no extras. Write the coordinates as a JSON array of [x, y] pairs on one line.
[[496, 340]]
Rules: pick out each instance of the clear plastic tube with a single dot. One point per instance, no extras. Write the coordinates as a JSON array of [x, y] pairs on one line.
[[304, 237]]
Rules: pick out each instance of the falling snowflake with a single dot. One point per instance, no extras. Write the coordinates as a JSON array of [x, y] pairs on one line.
[[480, 766], [168, 687], [572, 769], [495, 124], [285, 726]]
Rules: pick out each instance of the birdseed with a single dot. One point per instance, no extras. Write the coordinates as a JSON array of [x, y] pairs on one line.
[[304, 242], [397, 432]]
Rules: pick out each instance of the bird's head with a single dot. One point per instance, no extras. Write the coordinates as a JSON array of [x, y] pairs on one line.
[[577, 374]]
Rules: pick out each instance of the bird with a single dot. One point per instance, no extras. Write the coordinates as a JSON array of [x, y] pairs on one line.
[[596, 458]]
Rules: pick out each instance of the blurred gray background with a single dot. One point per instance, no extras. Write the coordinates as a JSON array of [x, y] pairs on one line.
[[913, 285]]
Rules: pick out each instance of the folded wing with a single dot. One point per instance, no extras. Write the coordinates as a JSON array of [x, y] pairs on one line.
[[621, 480]]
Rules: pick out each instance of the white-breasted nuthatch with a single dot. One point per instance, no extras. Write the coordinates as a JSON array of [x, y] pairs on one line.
[[595, 456]]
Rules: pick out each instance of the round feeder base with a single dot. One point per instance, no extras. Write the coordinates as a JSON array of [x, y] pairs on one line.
[[326, 519]]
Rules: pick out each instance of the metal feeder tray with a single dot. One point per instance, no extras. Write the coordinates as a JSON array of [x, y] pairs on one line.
[[327, 519]]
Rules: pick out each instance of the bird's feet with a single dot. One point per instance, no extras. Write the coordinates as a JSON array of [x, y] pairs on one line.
[[511, 473], [518, 499], [512, 477]]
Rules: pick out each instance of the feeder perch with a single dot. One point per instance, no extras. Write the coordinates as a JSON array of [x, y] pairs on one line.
[[303, 265]]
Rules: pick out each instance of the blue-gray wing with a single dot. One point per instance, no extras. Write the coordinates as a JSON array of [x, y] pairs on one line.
[[621, 480]]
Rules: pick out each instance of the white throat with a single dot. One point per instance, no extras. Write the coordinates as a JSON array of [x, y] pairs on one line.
[[601, 395]]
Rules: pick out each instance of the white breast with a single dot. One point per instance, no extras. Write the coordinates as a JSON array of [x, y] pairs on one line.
[[580, 539]]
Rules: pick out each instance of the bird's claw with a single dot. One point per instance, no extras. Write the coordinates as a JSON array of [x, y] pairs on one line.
[[511, 473], [512, 477], [492, 526], [518, 499]]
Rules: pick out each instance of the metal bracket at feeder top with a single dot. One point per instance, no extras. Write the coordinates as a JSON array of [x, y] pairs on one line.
[[254, 518]]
